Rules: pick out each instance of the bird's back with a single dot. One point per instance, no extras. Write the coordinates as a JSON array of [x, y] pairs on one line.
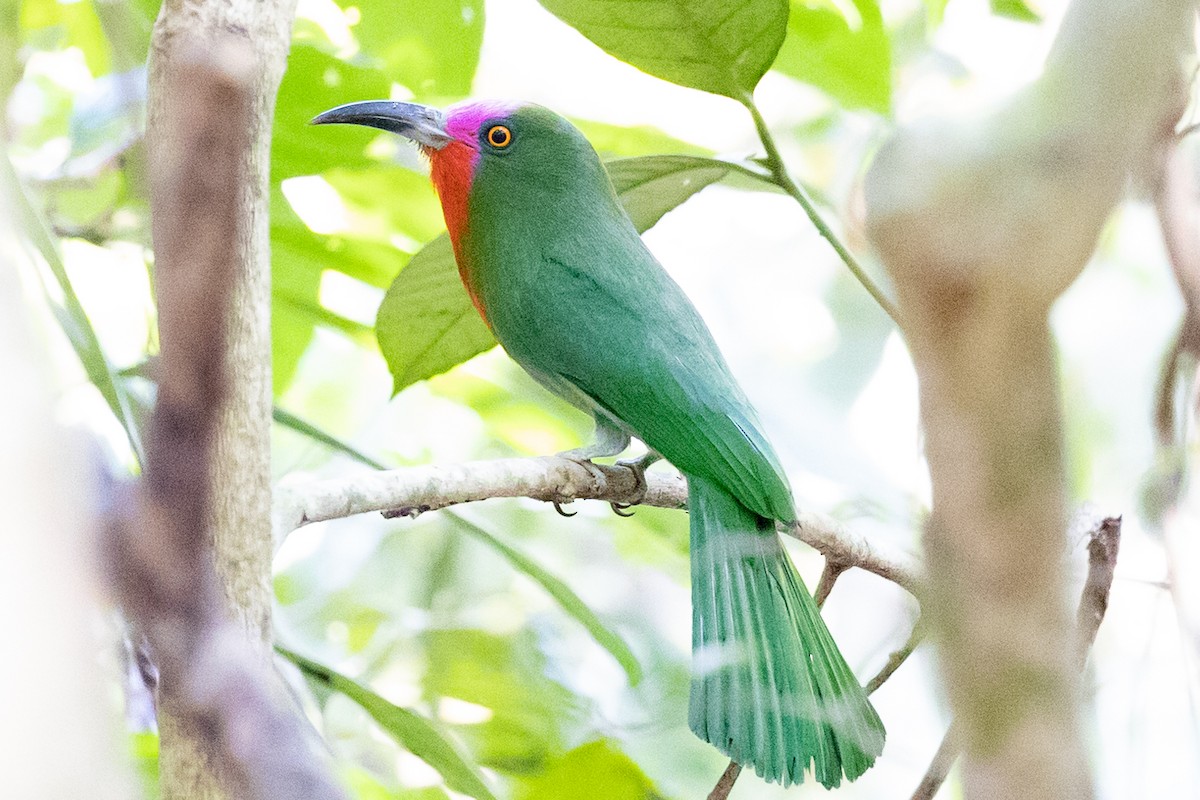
[[574, 296]]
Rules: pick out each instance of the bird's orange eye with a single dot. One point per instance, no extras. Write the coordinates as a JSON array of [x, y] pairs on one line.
[[499, 136]]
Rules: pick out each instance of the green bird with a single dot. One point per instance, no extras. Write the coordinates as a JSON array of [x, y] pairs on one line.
[[562, 278]]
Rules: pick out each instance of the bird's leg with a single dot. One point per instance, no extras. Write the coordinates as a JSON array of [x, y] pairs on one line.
[[638, 467], [607, 440]]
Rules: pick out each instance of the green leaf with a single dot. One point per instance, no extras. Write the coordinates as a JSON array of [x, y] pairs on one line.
[[69, 311], [305, 428], [509, 675], [649, 187], [383, 201], [850, 60], [563, 595], [413, 732], [426, 322], [316, 82], [594, 771], [11, 66], [432, 47], [712, 45], [1015, 9]]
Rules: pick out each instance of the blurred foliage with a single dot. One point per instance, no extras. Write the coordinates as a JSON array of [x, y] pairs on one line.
[[852, 62], [410, 730], [505, 658]]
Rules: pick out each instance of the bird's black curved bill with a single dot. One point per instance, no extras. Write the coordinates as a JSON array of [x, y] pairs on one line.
[[423, 124]]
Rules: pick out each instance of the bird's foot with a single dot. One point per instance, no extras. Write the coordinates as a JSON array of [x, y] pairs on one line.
[[638, 467], [582, 457]]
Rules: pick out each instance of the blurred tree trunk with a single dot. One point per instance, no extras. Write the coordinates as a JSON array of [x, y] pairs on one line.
[[58, 732], [983, 224], [241, 500]]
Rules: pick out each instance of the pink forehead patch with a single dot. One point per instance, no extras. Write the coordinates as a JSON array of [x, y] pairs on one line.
[[463, 119]]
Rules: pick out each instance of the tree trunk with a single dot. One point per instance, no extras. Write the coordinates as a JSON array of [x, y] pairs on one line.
[[982, 225], [241, 500]]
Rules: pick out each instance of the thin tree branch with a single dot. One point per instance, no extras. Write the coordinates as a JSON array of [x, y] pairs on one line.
[[215, 684], [829, 575], [414, 490], [838, 543], [897, 658], [1104, 542], [725, 783], [940, 766]]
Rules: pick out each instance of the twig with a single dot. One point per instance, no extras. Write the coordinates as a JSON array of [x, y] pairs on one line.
[[897, 658], [725, 784], [940, 766], [214, 683], [783, 180], [1103, 545], [829, 575], [1104, 541], [415, 490]]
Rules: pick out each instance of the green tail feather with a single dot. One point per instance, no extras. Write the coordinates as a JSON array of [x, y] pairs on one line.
[[770, 688]]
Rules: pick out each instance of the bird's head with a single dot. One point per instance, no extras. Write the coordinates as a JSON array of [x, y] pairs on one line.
[[525, 153]]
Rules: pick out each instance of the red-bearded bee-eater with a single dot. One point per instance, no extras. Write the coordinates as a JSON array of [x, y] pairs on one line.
[[564, 281]]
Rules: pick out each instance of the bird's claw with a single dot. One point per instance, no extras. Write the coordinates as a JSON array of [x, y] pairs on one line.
[[638, 467], [619, 509], [558, 507]]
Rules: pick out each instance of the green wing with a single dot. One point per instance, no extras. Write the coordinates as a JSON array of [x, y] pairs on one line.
[[617, 328]]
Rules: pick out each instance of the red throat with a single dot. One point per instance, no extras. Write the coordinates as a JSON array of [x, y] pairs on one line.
[[452, 169]]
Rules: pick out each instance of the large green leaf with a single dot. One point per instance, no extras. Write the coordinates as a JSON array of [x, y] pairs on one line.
[[426, 322], [713, 45], [851, 60], [563, 595], [413, 732], [430, 46]]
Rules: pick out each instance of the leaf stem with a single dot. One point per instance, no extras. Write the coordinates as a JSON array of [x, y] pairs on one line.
[[783, 180]]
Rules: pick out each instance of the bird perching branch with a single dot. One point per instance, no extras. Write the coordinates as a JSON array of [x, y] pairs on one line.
[[982, 225], [216, 686], [414, 490]]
